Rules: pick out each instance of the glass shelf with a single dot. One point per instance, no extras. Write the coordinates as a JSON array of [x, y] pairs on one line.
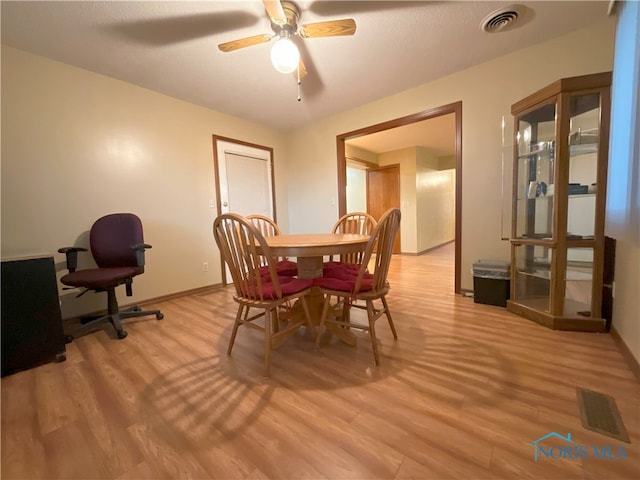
[[572, 275], [550, 196], [542, 152], [575, 150]]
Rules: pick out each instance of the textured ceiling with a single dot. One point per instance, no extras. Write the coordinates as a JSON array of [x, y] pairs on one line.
[[171, 47]]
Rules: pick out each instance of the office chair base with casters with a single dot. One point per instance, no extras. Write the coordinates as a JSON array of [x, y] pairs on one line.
[[115, 320], [114, 316]]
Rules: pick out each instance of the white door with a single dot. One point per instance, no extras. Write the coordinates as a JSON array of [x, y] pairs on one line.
[[245, 181], [246, 184]]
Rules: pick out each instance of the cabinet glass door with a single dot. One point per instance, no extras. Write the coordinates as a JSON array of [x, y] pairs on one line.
[[533, 266], [583, 165], [535, 170], [579, 283]]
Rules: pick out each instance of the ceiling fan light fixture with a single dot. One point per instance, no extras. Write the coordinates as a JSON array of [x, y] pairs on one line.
[[285, 55]]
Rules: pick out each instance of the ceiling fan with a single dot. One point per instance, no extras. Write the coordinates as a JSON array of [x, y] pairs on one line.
[[284, 16]]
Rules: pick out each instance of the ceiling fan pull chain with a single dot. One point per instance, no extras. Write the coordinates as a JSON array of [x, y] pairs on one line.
[[299, 83]]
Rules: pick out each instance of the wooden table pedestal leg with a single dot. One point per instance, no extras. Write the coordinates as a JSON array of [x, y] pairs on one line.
[[311, 267]]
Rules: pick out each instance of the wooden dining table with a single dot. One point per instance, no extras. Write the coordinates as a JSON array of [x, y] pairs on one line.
[[310, 250]]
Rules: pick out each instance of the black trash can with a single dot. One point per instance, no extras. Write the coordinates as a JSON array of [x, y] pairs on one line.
[[491, 282]]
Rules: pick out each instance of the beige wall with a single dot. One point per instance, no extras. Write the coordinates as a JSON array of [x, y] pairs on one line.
[[427, 199], [357, 178], [447, 163], [359, 153], [406, 159], [435, 201], [487, 92], [77, 145], [356, 189]]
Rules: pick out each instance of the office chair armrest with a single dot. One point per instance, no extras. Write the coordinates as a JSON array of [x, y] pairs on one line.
[[140, 248], [72, 256]]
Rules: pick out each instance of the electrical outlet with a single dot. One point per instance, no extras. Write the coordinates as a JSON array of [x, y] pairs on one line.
[[205, 267]]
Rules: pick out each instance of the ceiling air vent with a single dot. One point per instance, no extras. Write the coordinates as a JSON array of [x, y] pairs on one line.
[[501, 19]]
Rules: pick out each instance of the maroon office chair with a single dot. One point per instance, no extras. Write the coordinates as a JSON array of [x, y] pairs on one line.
[[118, 247]]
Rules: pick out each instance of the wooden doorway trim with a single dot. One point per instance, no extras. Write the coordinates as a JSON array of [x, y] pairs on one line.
[[361, 163], [456, 109]]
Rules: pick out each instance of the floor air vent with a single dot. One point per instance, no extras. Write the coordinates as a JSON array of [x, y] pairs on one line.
[[599, 413]]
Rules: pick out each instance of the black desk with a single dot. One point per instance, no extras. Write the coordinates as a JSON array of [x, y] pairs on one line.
[[32, 331]]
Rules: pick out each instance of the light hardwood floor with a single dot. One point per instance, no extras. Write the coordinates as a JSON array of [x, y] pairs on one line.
[[463, 393]]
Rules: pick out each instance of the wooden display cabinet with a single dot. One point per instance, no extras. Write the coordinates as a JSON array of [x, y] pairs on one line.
[[559, 191]]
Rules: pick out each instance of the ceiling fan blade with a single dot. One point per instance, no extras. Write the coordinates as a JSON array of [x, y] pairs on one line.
[[332, 28], [244, 42], [166, 31], [275, 11]]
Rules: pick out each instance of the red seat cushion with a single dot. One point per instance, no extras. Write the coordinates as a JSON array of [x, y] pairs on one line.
[[284, 268], [346, 283], [288, 285], [332, 269], [287, 268], [99, 277], [344, 274]]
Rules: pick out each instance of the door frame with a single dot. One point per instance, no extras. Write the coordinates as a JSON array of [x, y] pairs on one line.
[[456, 109]]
